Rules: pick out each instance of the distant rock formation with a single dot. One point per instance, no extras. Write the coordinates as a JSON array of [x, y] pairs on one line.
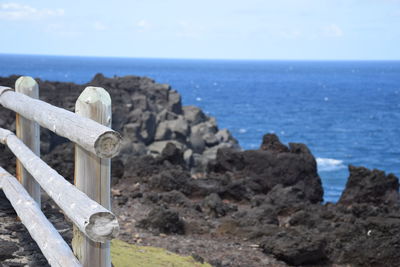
[[149, 115]]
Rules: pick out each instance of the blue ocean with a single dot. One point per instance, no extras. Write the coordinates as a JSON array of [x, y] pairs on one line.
[[347, 112]]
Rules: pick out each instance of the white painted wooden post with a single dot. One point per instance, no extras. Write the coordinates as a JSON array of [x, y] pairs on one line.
[[29, 133], [92, 176]]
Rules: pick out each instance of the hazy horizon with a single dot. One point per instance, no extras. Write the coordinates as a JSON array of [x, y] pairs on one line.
[[206, 59]]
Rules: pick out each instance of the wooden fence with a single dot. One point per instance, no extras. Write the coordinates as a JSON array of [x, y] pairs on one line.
[[87, 204]]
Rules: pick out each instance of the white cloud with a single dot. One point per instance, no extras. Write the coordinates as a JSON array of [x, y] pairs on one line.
[[332, 30], [16, 11], [290, 34], [143, 25], [99, 26]]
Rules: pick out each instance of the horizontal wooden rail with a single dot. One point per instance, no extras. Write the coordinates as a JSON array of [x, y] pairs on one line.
[[90, 135], [91, 218], [50, 242]]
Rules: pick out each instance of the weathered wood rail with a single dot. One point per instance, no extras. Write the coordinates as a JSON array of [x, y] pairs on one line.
[[92, 136], [53, 246], [87, 204]]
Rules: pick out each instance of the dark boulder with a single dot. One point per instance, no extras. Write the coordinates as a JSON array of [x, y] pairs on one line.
[[215, 207], [271, 142], [286, 196], [241, 189], [173, 154], [193, 115], [163, 220], [205, 186], [258, 217], [295, 167], [174, 102], [171, 179], [140, 168], [228, 159], [366, 186], [296, 247]]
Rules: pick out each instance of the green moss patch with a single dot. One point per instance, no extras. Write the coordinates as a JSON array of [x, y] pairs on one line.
[[127, 255]]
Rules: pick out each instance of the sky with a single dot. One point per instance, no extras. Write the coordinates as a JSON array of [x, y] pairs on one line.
[[206, 29]]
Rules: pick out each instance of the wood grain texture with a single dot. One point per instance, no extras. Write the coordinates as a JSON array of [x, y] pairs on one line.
[[50, 242], [29, 133], [90, 135], [96, 222], [92, 175]]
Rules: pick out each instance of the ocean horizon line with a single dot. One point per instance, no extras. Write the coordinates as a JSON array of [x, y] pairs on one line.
[[203, 59]]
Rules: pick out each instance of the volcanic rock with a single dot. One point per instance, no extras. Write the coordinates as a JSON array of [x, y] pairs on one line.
[[215, 207], [145, 112], [164, 221], [295, 247], [267, 168], [193, 115], [271, 142], [173, 154], [366, 186]]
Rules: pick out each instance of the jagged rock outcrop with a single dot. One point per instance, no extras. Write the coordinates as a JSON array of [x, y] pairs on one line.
[[155, 117], [275, 168], [374, 187], [149, 115]]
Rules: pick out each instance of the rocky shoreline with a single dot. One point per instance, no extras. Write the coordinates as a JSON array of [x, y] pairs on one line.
[[182, 183]]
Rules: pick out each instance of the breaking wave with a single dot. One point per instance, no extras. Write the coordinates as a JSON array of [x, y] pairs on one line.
[[326, 164]]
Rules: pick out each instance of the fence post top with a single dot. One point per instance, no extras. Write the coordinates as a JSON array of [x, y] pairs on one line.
[[93, 94], [96, 100], [26, 83]]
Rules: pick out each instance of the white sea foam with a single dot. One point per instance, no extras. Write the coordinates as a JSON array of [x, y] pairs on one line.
[[326, 164], [335, 188]]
